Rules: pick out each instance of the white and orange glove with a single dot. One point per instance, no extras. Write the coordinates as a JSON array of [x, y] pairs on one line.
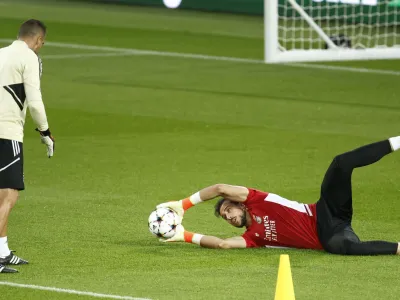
[[182, 205], [48, 140], [182, 235]]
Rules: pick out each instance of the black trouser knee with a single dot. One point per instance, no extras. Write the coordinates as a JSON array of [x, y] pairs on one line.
[[342, 242]]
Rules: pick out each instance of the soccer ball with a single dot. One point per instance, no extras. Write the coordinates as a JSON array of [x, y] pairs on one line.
[[163, 222]]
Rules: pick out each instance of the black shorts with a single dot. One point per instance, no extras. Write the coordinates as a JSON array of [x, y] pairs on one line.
[[11, 165]]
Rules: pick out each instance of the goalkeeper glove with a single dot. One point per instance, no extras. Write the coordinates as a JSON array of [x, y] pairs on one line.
[[48, 140], [182, 205], [182, 235], [179, 235], [175, 206]]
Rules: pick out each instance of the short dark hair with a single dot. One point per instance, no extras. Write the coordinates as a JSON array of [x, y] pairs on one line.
[[32, 27], [217, 207]]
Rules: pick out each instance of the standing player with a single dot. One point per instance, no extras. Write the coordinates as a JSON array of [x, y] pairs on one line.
[[273, 221], [20, 72]]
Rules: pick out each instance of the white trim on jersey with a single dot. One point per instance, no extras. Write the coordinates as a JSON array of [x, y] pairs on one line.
[[309, 212], [11, 163], [303, 208]]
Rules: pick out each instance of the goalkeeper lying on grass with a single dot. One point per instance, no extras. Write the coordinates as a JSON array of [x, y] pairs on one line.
[[273, 221]]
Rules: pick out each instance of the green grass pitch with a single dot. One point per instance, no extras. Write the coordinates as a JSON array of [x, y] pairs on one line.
[[133, 131]]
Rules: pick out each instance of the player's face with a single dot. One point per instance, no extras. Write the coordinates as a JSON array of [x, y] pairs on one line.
[[233, 213], [39, 43]]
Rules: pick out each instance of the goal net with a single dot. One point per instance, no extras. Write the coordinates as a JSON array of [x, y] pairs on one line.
[[329, 30]]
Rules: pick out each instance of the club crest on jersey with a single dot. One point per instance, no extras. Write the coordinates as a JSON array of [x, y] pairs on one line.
[[257, 219]]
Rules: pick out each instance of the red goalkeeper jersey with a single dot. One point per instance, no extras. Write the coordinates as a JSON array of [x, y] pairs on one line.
[[278, 222]]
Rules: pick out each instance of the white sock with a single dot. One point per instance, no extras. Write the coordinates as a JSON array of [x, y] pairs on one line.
[[4, 251], [395, 143]]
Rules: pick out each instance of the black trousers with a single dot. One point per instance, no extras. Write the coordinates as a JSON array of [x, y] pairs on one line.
[[335, 206]]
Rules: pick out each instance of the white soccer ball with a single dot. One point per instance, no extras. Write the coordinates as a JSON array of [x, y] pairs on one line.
[[163, 222]]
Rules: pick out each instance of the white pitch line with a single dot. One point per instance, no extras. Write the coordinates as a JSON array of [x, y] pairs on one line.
[[147, 52], [67, 291], [83, 55], [349, 69], [155, 53], [133, 51]]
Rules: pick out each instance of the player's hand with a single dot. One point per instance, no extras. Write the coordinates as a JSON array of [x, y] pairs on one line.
[[175, 206], [178, 237], [48, 140]]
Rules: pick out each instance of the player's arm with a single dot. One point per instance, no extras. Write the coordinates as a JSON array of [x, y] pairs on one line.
[[206, 241], [230, 243], [31, 76], [229, 192]]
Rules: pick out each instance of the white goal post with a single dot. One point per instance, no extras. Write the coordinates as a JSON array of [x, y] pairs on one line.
[[331, 30]]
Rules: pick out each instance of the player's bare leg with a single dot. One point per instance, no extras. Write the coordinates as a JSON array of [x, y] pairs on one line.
[[398, 250], [8, 198]]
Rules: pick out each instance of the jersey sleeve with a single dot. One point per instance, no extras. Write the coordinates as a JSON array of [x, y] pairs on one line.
[[249, 242], [255, 196], [31, 76]]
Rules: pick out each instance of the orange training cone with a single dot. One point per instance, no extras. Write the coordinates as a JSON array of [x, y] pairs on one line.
[[284, 284]]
